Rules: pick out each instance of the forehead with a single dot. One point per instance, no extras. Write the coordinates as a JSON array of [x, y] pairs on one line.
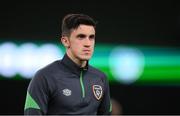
[[84, 29]]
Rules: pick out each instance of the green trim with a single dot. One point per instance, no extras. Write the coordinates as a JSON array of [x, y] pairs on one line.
[[82, 85], [30, 102], [110, 108]]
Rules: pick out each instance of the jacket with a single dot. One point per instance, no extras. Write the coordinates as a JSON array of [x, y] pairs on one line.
[[62, 87]]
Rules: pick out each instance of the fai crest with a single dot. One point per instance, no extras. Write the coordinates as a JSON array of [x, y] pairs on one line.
[[97, 90]]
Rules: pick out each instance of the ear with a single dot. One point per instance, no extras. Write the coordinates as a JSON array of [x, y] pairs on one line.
[[65, 41]]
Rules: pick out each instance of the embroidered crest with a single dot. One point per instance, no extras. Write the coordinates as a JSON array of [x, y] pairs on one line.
[[97, 90], [66, 92]]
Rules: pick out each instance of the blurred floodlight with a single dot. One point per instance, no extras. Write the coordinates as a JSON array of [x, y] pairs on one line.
[[26, 59], [7, 59], [126, 64], [47, 54]]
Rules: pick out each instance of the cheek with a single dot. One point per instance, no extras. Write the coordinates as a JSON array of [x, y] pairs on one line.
[[93, 43], [75, 48]]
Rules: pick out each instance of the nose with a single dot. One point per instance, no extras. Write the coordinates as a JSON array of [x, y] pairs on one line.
[[87, 42]]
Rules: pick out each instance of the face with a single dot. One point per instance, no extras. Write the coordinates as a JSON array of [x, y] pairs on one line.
[[80, 44]]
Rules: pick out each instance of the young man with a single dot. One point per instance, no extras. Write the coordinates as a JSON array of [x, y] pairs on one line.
[[71, 85]]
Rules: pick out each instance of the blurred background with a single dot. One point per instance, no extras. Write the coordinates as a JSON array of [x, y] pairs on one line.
[[137, 47]]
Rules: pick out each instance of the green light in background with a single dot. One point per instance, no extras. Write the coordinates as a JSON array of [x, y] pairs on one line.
[[126, 64], [161, 65], [123, 64]]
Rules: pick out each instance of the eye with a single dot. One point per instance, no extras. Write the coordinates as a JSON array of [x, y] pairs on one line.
[[81, 36], [92, 37]]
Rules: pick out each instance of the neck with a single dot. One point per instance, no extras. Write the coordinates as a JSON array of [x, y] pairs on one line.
[[80, 63]]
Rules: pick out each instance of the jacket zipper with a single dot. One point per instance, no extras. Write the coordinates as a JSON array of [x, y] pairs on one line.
[[82, 84]]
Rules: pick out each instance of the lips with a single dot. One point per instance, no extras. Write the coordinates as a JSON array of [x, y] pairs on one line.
[[87, 51]]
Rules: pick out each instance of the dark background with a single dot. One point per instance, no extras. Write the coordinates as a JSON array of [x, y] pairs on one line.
[[149, 23]]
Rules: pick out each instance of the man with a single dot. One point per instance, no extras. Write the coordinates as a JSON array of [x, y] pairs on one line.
[[71, 85]]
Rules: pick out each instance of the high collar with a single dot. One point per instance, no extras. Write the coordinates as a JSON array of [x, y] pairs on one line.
[[72, 66]]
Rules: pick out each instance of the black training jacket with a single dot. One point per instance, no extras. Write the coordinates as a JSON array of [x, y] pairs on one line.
[[64, 88]]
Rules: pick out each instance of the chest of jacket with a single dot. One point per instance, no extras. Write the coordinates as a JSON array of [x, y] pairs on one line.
[[73, 92]]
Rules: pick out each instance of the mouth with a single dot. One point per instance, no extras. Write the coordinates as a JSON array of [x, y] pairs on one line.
[[87, 51]]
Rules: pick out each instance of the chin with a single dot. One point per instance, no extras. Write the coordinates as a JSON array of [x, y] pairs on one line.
[[85, 57]]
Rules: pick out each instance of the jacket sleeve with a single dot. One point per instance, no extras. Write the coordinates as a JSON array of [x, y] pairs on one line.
[[105, 107], [37, 96]]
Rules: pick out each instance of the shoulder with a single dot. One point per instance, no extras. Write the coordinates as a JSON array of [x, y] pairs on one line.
[[48, 70], [44, 76]]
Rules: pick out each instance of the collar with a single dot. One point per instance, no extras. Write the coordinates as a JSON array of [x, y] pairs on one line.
[[72, 66]]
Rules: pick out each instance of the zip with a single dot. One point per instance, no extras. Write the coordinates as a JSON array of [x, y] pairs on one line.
[[82, 85]]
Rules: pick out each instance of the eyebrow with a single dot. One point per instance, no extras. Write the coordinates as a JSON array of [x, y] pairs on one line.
[[81, 35]]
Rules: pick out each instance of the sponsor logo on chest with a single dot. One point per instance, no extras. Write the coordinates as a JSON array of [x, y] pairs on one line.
[[66, 92]]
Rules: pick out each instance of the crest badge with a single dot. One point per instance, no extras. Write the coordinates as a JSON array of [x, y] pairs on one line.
[[97, 90]]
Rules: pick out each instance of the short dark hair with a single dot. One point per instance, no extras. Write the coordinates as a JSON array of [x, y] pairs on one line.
[[72, 21]]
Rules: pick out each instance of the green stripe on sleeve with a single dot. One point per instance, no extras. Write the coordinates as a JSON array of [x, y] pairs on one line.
[[30, 102]]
